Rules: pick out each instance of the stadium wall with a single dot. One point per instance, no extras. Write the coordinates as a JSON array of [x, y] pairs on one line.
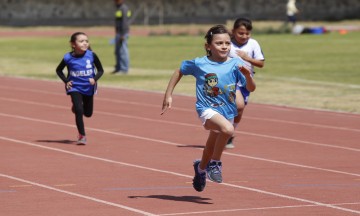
[[100, 12]]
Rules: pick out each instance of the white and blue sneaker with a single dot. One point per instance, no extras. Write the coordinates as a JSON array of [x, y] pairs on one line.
[[214, 171]]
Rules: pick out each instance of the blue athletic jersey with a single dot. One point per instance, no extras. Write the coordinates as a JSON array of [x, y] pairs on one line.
[[80, 70], [215, 84]]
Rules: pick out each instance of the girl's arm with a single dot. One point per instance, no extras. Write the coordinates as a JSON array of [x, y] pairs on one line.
[[250, 82], [60, 73], [255, 62], [175, 78], [99, 67]]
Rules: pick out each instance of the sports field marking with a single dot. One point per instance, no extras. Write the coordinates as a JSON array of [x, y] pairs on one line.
[[178, 144], [65, 185], [76, 194], [187, 124], [28, 185], [250, 209], [155, 170], [188, 110]]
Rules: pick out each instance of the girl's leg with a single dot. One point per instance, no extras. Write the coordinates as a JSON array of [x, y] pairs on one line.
[[224, 130], [77, 100], [208, 150], [88, 105], [221, 130], [200, 166], [240, 104]]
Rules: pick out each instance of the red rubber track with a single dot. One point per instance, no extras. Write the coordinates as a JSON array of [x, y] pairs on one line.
[[287, 161]]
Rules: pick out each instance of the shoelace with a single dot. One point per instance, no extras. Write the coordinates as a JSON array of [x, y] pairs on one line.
[[215, 167]]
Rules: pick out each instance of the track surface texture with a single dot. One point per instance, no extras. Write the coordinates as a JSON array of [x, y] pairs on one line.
[[286, 161]]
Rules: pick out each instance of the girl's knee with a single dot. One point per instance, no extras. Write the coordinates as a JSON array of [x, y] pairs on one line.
[[228, 130], [78, 111], [240, 106]]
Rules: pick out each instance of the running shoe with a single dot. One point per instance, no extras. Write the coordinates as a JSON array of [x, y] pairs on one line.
[[229, 144], [214, 171], [81, 140], [199, 180]]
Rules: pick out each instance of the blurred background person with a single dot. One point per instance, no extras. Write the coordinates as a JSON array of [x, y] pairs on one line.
[[122, 27], [291, 12]]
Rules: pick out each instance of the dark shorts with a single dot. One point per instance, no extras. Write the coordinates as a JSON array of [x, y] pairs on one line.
[[245, 93]]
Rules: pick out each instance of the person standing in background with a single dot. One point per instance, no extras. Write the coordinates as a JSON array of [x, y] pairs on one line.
[[122, 27], [291, 11]]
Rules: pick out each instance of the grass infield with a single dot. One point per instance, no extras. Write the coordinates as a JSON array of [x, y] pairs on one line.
[[307, 71]]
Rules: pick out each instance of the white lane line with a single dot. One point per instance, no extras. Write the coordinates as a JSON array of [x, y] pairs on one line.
[[249, 209], [112, 100], [77, 195], [172, 173], [190, 125], [179, 144]]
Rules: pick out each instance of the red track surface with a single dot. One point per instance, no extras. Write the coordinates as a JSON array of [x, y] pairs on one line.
[[287, 161]]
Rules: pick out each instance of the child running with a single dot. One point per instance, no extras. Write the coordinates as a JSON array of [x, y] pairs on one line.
[[216, 75], [247, 48], [84, 70]]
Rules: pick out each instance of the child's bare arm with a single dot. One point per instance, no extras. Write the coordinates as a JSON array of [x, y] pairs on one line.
[[175, 78]]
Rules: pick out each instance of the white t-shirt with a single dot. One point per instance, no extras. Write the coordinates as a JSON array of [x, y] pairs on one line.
[[252, 48], [291, 9]]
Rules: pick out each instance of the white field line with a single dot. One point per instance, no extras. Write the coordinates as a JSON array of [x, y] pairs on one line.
[[76, 194], [250, 209], [179, 144], [171, 173], [187, 124], [112, 100]]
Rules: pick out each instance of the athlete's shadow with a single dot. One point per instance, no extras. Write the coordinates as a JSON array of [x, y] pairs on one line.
[[191, 146], [57, 141], [194, 199]]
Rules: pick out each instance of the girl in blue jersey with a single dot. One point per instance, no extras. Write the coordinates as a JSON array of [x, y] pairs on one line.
[[84, 70], [247, 48], [216, 77]]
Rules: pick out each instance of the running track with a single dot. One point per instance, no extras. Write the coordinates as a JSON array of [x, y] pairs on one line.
[[287, 161]]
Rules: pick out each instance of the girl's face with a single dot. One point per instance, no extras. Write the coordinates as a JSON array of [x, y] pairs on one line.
[[81, 44], [219, 47], [241, 35]]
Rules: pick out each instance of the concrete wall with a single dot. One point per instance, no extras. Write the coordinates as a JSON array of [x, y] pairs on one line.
[[100, 12]]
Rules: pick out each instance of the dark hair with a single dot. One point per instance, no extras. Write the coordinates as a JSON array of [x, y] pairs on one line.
[[74, 37], [243, 22], [218, 29]]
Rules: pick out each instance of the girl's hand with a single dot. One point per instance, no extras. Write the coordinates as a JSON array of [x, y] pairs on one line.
[[92, 81], [244, 70], [242, 54], [166, 104], [68, 85]]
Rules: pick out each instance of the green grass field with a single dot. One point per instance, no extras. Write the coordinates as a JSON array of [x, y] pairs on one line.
[[308, 71]]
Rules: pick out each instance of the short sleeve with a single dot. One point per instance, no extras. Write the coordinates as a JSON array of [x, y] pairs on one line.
[[258, 54], [187, 67]]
